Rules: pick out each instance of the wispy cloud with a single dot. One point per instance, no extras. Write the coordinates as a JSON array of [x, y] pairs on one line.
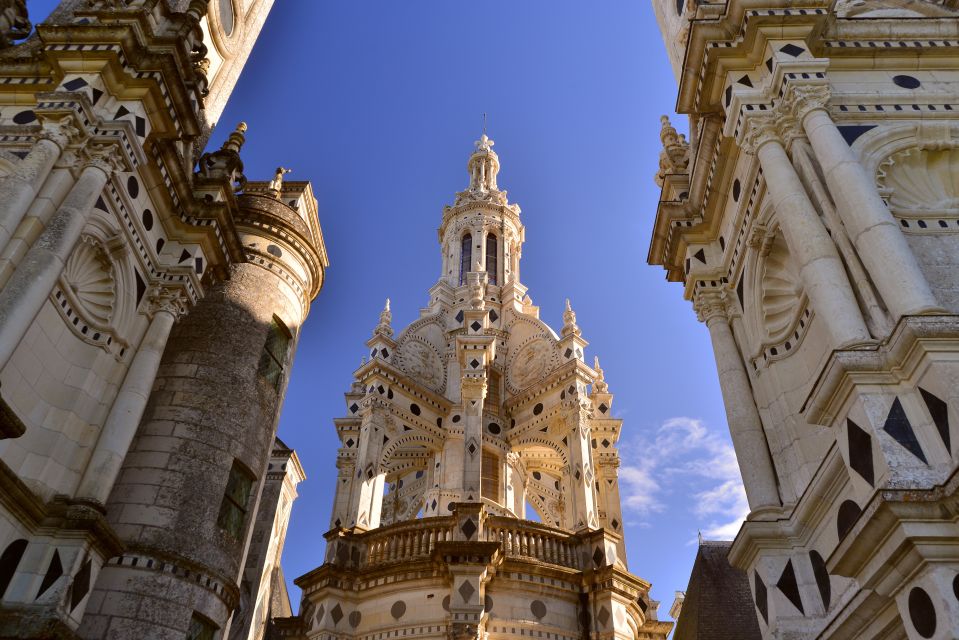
[[685, 462]]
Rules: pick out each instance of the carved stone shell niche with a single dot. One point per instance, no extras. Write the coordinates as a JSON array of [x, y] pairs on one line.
[[89, 283], [921, 181]]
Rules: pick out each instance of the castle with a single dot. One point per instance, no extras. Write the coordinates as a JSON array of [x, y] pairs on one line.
[[812, 220], [149, 312]]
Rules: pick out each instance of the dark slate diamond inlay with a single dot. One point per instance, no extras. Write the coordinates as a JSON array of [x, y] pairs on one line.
[[354, 408], [762, 602], [789, 587], [598, 557], [860, 451], [474, 363], [337, 614], [792, 50], [939, 411], [898, 426], [459, 316], [476, 326], [568, 353], [466, 591], [355, 619], [54, 571], [493, 316], [821, 574], [603, 408], [81, 585], [468, 528]]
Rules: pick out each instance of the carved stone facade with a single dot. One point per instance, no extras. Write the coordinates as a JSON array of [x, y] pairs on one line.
[[815, 229], [456, 429], [150, 304]]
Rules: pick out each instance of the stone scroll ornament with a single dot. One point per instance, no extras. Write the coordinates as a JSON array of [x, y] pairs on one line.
[[14, 22]]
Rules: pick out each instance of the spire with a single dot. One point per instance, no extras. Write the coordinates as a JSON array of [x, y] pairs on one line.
[[236, 139], [569, 321], [674, 158], [384, 328]]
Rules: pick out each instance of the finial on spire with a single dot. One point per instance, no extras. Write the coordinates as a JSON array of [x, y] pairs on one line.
[[484, 143], [384, 327], [236, 139], [569, 321], [599, 384]]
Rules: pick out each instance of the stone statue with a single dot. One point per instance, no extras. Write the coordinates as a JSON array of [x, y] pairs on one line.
[[14, 22], [276, 184]]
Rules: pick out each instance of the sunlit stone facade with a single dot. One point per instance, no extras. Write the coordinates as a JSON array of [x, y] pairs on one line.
[[150, 304], [812, 219], [455, 429]]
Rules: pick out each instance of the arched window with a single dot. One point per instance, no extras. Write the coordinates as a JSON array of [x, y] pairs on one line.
[[466, 257], [491, 255], [9, 562]]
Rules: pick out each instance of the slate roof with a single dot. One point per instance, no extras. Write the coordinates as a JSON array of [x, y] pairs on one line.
[[719, 604]]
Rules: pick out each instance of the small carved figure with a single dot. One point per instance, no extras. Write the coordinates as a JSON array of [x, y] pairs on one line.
[[14, 22], [276, 184]]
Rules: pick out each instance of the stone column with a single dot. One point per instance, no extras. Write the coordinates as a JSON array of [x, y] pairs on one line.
[[366, 502], [19, 189], [581, 501], [878, 239], [820, 267], [745, 424], [24, 295], [124, 418]]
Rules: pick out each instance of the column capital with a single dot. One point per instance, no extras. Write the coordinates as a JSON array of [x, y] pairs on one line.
[[758, 130], [164, 299], [104, 156], [710, 305], [802, 99], [62, 132]]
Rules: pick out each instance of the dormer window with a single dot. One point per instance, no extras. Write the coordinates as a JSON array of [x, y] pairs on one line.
[[466, 257], [491, 258]]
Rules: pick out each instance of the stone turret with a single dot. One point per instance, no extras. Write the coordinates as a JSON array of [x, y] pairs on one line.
[[184, 501]]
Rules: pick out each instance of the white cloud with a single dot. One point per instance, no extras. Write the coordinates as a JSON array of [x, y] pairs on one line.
[[687, 461]]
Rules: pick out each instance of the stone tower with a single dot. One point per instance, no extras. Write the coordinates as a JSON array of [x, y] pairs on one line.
[[456, 429], [150, 303], [812, 220]]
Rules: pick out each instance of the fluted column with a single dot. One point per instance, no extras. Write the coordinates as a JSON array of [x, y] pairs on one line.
[[821, 269], [878, 239], [124, 418], [19, 189], [745, 424], [25, 292]]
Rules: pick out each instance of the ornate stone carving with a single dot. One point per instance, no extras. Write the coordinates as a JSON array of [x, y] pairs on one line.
[[14, 22], [276, 184], [674, 157], [921, 180], [710, 304], [89, 278], [106, 157], [172, 301], [423, 363], [62, 132], [226, 163], [529, 364], [781, 301], [757, 131]]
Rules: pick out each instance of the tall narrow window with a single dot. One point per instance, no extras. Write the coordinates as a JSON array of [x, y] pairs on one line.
[[201, 628], [490, 476], [235, 498], [9, 562], [273, 358], [491, 258], [492, 402], [466, 257]]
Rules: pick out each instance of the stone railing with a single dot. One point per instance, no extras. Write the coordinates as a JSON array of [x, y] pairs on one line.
[[529, 540], [405, 541]]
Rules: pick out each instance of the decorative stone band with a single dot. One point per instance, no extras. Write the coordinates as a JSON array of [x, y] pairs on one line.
[[220, 586]]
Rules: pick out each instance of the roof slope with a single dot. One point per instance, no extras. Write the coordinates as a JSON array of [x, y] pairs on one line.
[[719, 603]]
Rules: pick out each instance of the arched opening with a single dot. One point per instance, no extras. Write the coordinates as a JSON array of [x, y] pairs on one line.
[[530, 513], [9, 562], [492, 253], [466, 257]]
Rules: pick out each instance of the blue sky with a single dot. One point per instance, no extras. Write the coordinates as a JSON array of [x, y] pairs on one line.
[[378, 103]]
